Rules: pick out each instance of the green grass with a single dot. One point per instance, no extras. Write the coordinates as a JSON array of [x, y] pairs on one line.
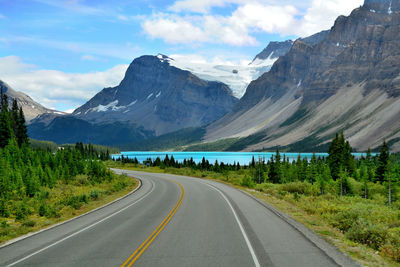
[[62, 202]]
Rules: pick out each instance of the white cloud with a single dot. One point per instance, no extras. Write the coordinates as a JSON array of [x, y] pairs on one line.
[[120, 51], [174, 29], [74, 5], [202, 6], [285, 18], [52, 87], [123, 17], [322, 14], [2, 16], [89, 58]]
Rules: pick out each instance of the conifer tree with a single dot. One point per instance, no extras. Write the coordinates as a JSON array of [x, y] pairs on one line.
[[6, 131], [383, 162], [22, 131]]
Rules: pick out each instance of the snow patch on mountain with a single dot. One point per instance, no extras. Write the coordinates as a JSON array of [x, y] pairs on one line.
[[112, 106]]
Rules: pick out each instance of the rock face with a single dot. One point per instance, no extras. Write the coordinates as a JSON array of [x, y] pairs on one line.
[[160, 98], [274, 50], [31, 108], [344, 79]]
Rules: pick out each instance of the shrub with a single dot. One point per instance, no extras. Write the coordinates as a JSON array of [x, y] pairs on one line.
[[392, 246], [296, 196], [4, 224], [94, 194], [83, 198], [119, 186], [42, 210], [29, 223], [247, 182], [82, 179], [366, 232], [22, 212], [302, 188]]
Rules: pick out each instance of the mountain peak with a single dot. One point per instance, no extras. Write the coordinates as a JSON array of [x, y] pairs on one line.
[[163, 58], [273, 51]]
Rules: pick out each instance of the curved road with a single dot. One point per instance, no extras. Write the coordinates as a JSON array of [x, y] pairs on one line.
[[176, 221]]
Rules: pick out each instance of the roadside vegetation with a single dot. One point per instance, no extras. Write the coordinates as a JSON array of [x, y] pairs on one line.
[[353, 203], [39, 187]]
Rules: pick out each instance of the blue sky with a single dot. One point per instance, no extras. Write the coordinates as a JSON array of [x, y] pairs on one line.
[[62, 52]]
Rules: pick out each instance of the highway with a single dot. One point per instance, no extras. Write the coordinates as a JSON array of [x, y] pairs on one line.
[[176, 221]]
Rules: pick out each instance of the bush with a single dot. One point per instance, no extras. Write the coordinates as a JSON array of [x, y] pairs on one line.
[[296, 196], [392, 246], [77, 201], [81, 179], [366, 232], [302, 188], [42, 210], [4, 224], [29, 223], [247, 182], [119, 186], [22, 212], [94, 194]]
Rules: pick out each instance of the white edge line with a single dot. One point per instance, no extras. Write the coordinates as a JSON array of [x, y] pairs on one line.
[[253, 254], [12, 241], [82, 230]]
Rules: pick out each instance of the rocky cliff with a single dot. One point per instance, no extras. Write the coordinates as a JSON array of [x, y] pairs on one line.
[[274, 50]]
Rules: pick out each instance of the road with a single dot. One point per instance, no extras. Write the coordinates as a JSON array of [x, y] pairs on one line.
[[176, 221]]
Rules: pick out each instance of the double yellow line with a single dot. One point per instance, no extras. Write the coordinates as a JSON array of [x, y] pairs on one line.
[[131, 260]]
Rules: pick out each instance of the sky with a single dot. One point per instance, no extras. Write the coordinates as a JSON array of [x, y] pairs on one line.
[[63, 52]]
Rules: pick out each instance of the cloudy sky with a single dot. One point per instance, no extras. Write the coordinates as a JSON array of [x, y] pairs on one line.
[[62, 52]]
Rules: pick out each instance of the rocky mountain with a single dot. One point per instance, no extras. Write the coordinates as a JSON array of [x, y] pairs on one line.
[[31, 108], [274, 50], [344, 79], [159, 97], [153, 99]]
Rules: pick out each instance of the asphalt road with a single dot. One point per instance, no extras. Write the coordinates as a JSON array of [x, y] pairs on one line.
[[176, 221]]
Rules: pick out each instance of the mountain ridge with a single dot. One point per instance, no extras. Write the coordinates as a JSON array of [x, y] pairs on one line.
[[31, 108]]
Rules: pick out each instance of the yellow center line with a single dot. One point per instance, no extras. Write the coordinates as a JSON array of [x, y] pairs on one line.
[[135, 255]]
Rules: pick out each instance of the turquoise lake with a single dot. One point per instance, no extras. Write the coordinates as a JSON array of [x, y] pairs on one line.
[[244, 158]]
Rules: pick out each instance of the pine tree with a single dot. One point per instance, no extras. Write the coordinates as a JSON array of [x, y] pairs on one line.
[[340, 156], [22, 131], [6, 131], [383, 162]]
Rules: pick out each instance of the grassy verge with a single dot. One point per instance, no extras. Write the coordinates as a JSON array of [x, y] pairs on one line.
[[62, 202], [366, 229]]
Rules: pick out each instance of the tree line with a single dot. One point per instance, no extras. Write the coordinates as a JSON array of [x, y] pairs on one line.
[[337, 168]]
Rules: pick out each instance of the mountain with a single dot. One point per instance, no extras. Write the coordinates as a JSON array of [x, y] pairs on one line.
[[237, 77], [274, 50], [159, 97], [31, 108], [154, 99], [344, 79]]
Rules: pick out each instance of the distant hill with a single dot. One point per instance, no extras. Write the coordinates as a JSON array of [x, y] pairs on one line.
[[31, 108]]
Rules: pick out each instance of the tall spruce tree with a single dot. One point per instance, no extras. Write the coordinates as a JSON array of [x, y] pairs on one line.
[[6, 132], [340, 156], [383, 162]]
